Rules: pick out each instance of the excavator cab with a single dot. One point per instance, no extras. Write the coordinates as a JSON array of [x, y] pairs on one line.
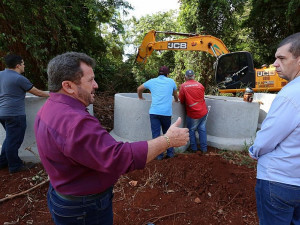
[[235, 71]]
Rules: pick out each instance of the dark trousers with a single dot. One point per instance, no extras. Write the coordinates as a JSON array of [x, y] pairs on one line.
[[15, 127], [159, 123], [277, 203], [88, 209]]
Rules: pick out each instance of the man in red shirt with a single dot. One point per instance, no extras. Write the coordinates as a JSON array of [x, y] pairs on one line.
[[191, 94]]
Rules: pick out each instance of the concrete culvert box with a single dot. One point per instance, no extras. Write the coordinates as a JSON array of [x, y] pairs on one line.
[[132, 120], [28, 150], [266, 100], [231, 123], [32, 105]]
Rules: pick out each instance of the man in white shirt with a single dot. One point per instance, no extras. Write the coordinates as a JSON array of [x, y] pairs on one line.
[[277, 144]]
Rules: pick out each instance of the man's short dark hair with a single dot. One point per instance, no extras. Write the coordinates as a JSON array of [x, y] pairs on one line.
[[294, 40], [66, 67], [164, 70], [11, 61]]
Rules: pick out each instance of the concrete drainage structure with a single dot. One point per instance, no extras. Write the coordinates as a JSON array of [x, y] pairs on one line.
[[265, 100], [132, 121], [231, 123], [28, 150], [32, 105]]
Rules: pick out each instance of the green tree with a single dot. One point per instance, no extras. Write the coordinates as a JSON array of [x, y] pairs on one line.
[[116, 75], [39, 30], [219, 18], [269, 22], [162, 21]]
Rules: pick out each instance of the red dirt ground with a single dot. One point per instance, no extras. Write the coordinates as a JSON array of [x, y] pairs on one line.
[[191, 189]]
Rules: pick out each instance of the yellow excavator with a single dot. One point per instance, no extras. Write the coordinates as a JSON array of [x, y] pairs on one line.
[[233, 71]]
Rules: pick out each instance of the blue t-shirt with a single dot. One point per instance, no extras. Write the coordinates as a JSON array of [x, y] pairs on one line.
[[161, 89], [13, 88]]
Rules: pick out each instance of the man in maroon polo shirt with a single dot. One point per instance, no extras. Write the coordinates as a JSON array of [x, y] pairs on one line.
[[82, 159]]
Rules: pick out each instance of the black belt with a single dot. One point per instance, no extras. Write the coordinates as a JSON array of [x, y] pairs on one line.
[[86, 197]]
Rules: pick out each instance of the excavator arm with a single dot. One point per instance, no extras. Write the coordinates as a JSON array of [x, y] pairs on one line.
[[193, 42]]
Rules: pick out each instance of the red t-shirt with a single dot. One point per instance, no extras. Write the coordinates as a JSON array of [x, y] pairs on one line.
[[191, 94]]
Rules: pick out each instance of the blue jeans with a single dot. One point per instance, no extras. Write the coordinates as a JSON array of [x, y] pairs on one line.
[[15, 127], [159, 122], [277, 203], [197, 125], [84, 211]]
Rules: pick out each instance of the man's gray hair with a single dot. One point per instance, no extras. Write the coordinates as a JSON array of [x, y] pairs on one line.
[[294, 40], [66, 67]]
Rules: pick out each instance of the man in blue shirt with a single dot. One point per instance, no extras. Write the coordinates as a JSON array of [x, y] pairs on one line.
[[162, 91], [277, 144], [13, 88]]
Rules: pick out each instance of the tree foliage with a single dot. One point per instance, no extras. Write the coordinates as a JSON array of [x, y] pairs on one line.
[[217, 18], [268, 23], [162, 21], [39, 30]]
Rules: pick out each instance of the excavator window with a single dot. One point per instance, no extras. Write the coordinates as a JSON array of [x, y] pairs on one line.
[[235, 70]]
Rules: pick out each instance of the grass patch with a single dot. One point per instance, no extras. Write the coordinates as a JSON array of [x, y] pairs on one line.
[[240, 158]]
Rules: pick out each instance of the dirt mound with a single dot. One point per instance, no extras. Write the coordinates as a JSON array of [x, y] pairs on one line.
[[188, 189]]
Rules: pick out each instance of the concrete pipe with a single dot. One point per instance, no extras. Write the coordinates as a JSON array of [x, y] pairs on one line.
[[231, 123], [265, 100], [28, 150], [132, 121]]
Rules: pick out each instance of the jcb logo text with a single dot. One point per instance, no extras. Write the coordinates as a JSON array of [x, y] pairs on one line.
[[177, 45]]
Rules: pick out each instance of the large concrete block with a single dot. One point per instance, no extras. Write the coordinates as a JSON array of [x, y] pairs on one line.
[[132, 121], [265, 100], [231, 123], [28, 150]]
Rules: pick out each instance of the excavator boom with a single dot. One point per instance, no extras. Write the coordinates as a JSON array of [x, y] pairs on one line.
[[194, 42]]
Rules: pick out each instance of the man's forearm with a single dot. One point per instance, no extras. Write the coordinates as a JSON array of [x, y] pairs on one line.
[[155, 147], [140, 90], [140, 94], [38, 92], [175, 96]]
